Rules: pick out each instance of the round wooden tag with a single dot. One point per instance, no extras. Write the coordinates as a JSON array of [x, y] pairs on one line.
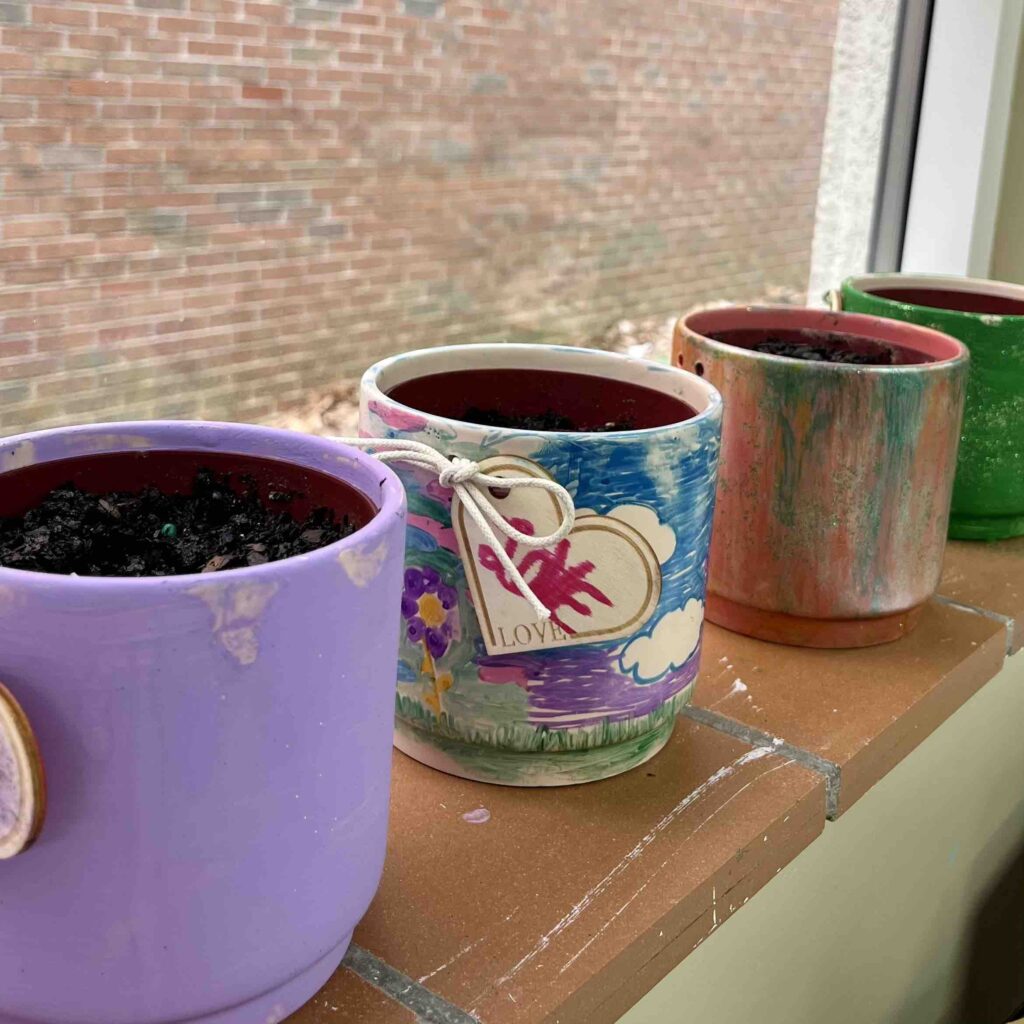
[[22, 782]]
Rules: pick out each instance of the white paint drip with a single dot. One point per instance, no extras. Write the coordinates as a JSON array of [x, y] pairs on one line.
[[21, 455], [738, 686], [458, 956], [594, 892], [601, 930], [479, 816], [739, 791], [236, 615], [361, 566]]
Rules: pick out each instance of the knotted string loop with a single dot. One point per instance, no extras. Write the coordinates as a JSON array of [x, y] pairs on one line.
[[473, 488]]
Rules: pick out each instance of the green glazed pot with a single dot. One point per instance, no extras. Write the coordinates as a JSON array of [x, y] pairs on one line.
[[988, 316]]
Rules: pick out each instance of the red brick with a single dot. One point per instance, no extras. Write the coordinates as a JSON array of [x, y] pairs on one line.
[[14, 253], [98, 41], [12, 300], [96, 87], [31, 39], [159, 90], [35, 228], [45, 15], [140, 155], [66, 249], [177, 26], [116, 289], [155, 44], [16, 62], [42, 133], [111, 246], [258, 51], [99, 224], [201, 48], [64, 296], [237, 29], [30, 321], [360, 18], [129, 111], [32, 87], [11, 352], [133, 24], [262, 92], [35, 273], [275, 13]]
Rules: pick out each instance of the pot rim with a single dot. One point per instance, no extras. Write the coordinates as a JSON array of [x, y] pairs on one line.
[[865, 284], [893, 332], [532, 356], [390, 501]]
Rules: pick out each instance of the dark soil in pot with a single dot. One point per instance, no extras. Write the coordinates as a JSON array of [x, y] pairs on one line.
[[541, 400], [822, 347], [199, 519]]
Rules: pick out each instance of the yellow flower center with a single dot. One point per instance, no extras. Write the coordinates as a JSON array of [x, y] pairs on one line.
[[431, 610]]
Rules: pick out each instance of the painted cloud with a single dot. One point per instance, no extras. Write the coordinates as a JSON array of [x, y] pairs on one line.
[[668, 645], [645, 521]]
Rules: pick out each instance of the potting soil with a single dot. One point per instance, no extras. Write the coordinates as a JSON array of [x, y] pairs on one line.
[[153, 534]]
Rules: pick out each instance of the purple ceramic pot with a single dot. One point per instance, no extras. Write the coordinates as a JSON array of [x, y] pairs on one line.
[[217, 747]]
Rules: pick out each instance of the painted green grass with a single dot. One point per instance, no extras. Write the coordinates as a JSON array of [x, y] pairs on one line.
[[539, 739]]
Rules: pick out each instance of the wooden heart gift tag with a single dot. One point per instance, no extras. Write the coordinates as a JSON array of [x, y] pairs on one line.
[[22, 782], [602, 582]]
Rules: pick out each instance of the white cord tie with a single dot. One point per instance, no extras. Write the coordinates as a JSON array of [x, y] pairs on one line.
[[472, 487], [461, 471]]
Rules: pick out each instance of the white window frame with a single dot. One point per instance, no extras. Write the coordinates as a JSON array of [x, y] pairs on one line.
[[961, 137]]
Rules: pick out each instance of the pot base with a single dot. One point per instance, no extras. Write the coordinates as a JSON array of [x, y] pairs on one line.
[[528, 768], [283, 1001], [985, 527], [272, 1006], [796, 631]]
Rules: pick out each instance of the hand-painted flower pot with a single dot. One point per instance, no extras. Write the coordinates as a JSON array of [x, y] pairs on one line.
[[988, 317], [601, 694], [835, 478], [216, 746]]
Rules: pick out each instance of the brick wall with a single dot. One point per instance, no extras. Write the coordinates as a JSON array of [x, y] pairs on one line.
[[211, 206]]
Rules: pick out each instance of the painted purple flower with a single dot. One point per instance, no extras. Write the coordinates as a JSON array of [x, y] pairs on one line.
[[415, 582], [436, 643], [428, 607]]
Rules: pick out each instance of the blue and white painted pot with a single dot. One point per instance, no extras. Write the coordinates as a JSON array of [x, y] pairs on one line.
[[579, 709]]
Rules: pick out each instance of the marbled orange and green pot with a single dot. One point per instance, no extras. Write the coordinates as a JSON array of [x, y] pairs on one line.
[[988, 317], [834, 480]]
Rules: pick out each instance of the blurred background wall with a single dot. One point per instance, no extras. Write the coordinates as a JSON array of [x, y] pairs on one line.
[[210, 207]]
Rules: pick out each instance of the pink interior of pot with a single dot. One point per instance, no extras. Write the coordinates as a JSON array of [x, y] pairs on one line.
[[173, 472], [953, 300], [589, 401], [921, 344], [879, 353]]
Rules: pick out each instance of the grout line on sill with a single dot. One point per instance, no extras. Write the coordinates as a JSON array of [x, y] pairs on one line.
[[428, 1007], [758, 738], [971, 609]]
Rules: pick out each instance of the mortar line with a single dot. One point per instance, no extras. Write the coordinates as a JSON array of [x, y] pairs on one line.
[[758, 738], [429, 1007], [972, 609]]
